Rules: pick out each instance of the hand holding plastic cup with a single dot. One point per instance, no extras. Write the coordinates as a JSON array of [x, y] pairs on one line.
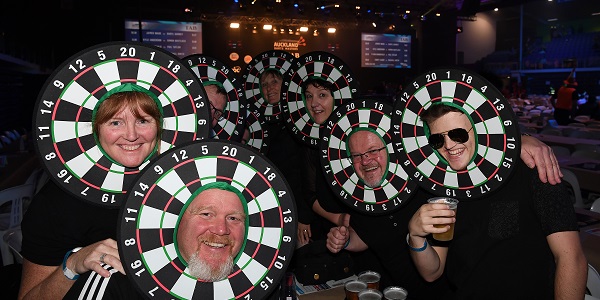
[[452, 204]]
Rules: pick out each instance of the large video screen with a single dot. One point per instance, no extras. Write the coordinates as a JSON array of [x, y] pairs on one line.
[[383, 50], [179, 38]]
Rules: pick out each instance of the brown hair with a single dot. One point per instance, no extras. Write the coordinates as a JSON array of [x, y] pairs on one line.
[[436, 111], [136, 101], [273, 72]]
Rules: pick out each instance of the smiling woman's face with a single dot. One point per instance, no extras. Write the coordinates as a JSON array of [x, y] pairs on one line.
[[127, 125], [319, 103]]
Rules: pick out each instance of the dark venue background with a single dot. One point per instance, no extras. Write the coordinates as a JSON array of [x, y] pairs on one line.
[[37, 36]]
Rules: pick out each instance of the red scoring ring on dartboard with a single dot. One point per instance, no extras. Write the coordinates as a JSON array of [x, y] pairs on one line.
[[493, 126], [263, 192], [100, 88], [393, 188]]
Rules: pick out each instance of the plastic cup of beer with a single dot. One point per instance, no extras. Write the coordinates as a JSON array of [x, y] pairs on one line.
[[453, 204], [353, 287], [370, 294], [394, 293], [371, 278]]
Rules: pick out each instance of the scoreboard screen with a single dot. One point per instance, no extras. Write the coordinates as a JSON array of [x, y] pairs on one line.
[[179, 38], [382, 50]]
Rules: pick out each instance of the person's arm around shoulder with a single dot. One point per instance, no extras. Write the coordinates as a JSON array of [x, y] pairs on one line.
[[571, 265], [429, 260], [537, 154], [50, 282]]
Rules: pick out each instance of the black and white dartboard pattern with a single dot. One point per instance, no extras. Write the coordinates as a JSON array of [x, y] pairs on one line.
[[150, 214], [314, 64], [494, 123], [208, 68], [396, 188], [273, 59], [63, 114], [259, 133]]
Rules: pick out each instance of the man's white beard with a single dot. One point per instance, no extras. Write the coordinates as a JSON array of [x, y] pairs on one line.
[[201, 270]]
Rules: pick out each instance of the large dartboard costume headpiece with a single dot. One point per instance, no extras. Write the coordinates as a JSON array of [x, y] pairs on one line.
[[149, 219], [212, 71], [496, 132], [317, 64], [376, 117], [67, 103], [276, 60], [258, 132]]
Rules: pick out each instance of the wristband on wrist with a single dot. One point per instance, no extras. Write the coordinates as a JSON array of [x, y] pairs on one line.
[[346, 244], [416, 249], [70, 274]]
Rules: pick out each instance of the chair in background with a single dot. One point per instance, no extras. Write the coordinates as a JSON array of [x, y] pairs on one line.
[[583, 146], [5, 140], [593, 282], [12, 200], [580, 134], [595, 206], [13, 239], [592, 155], [561, 151], [551, 131], [574, 190], [582, 119]]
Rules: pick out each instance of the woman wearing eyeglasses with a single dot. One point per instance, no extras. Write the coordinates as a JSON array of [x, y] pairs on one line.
[[521, 242]]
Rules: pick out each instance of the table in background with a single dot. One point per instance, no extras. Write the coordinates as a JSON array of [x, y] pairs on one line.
[[564, 141], [336, 293], [587, 172]]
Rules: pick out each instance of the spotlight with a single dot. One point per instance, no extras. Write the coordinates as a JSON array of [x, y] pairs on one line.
[[459, 29], [234, 25], [331, 30], [374, 24], [267, 27]]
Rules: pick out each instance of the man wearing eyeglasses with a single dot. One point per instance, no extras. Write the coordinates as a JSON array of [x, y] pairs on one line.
[[217, 98], [368, 155], [522, 239]]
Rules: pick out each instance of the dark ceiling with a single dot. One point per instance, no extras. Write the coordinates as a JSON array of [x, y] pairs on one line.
[[346, 10]]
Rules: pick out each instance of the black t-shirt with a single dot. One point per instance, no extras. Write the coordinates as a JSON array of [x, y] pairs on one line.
[[57, 222], [499, 250], [386, 237]]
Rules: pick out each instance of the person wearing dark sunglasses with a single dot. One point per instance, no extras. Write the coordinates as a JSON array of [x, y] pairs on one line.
[[490, 232], [451, 134], [368, 156]]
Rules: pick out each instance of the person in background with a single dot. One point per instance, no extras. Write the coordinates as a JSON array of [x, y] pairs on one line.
[[566, 102], [522, 242], [217, 98], [64, 236], [270, 85], [318, 94], [316, 220]]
